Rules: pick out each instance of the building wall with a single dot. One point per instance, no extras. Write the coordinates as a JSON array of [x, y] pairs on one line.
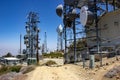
[[109, 29]]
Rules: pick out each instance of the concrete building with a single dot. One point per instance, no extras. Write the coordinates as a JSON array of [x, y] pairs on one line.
[[109, 30], [10, 61]]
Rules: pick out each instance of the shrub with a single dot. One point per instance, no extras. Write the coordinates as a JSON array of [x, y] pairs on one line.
[[53, 55], [3, 70], [15, 68], [6, 69], [50, 62]]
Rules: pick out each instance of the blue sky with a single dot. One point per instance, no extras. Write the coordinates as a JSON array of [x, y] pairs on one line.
[[13, 17]]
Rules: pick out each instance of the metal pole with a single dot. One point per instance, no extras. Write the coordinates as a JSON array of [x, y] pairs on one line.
[[45, 43], [61, 42], [37, 54], [83, 59], [65, 52], [114, 5], [57, 42], [20, 43], [106, 1], [74, 32], [97, 34]]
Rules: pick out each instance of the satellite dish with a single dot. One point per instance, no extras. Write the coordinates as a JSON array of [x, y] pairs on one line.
[[60, 29], [26, 37], [38, 29], [86, 16], [72, 15], [59, 10], [74, 11]]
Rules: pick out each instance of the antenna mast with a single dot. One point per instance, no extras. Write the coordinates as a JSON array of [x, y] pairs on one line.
[[45, 43], [31, 39]]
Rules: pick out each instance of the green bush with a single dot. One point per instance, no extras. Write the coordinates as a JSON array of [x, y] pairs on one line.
[[6, 69], [50, 62], [15, 68], [53, 55]]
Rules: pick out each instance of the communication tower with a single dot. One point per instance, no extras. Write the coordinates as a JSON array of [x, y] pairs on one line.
[[59, 38], [31, 39], [45, 43], [88, 13]]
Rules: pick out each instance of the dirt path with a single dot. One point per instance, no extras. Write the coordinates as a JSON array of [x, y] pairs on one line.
[[53, 73], [70, 72]]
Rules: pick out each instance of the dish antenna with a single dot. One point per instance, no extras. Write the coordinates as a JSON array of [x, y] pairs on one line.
[[72, 14], [74, 11], [60, 38], [59, 10], [59, 30], [86, 16]]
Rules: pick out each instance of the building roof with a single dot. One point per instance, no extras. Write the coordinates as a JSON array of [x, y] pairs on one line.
[[11, 58]]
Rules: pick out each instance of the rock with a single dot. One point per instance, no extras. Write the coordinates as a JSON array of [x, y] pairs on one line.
[[117, 77], [65, 67], [113, 72], [27, 69], [104, 68], [20, 77], [96, 70], [8, 76], [92, 73], [86, 68], [11, 76], [97, 66], [113, 61], [117, 59], [107, 64]]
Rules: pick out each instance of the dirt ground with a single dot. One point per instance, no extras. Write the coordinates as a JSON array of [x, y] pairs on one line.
[[74, 71]]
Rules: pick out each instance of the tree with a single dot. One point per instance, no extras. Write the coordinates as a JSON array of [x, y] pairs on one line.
[[81, 44], [8, 55]]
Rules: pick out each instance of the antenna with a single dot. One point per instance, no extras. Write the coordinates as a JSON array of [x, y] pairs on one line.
[[20, 43], [58, 47], [45, 43], [59, 38], [31, 39]]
